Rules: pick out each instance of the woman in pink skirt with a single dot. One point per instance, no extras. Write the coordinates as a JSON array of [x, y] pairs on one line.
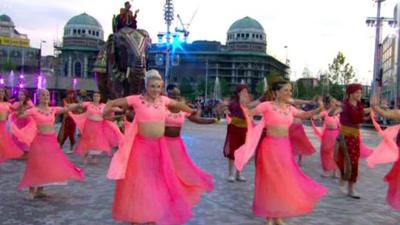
[[148, 189], [24, 103], [46, 164], [282, 190], [329, 134], [385, 153], [8, 149], [301, 145], [196, 181], [97, 134]]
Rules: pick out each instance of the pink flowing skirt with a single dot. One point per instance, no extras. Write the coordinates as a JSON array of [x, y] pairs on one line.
[[393, 181], [195, 180], [47, 164], [301, 145], [281, 188], [151, 190], [96, 136], [364, 151], [8, 148], [327, 149], [20, 123]]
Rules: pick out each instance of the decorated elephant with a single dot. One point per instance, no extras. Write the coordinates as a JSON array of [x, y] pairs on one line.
[[121, 64]]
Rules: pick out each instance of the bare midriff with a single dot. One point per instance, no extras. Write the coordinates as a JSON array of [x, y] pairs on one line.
[[95, 118], [331, 127], [277, 131], [172, 131], [3, 116], [151, 129], [45, 129]]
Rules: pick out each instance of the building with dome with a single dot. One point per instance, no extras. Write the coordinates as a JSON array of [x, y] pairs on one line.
[[70, 68], [243, 59], [15, 51], [246, 34], [83, 38]]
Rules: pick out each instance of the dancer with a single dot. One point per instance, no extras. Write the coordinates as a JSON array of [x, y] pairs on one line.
[[235, 133], [147, 187], [46, 164], [281, 189], [195, 180], [328, 140], [24, 103], [392, 178], [8, 149], [352, 114], [301, 144], [98, 135], [68, 126]]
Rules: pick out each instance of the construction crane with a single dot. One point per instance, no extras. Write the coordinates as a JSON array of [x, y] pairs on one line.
[[185, 26]]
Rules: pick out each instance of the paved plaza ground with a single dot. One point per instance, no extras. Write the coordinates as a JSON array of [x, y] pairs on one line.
[[89, 203]]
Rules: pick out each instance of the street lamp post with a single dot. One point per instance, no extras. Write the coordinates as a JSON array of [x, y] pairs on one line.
[[40, 56], [168, 17], [377, 22]]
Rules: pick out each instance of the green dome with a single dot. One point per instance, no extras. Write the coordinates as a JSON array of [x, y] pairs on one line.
[[5, 18], [83, 19], [246, 23]]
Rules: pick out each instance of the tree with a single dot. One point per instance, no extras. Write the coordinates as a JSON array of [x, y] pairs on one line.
[[336, 91], [186, 89], [306, 73], [225, 89], [260, 87], [340, 72], [9, 65]]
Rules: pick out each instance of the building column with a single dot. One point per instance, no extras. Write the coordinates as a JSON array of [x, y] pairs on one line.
[[85, 67], [69, 66], [233, 73]]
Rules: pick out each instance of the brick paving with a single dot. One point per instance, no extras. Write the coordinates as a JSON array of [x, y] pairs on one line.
[[90, 202]]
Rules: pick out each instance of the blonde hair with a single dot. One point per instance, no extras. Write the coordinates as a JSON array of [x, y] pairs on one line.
[[152, 75], [42, 90]]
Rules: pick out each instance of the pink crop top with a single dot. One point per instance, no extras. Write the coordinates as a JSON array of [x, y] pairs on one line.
[[43, 118], [276, 117], [94, 110], [5, 107], [330, 121], [149, 112], [175, 119]]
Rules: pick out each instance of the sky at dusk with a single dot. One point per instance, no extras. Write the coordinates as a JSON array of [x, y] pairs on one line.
[[314, 30]]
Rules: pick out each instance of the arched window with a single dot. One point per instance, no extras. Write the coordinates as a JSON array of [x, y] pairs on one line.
[[66, 69], [78, 69]]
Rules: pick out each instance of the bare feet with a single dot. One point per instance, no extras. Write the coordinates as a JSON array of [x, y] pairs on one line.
[[279, 222], [231, 178], [31, 194], [354, 194], [324, 175], [240, 178], [40, 193]]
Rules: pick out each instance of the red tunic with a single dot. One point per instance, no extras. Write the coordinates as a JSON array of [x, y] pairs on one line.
[[68, 125], [350, 119]]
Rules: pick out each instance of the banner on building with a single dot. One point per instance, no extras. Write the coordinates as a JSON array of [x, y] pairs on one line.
[[14, 42]]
